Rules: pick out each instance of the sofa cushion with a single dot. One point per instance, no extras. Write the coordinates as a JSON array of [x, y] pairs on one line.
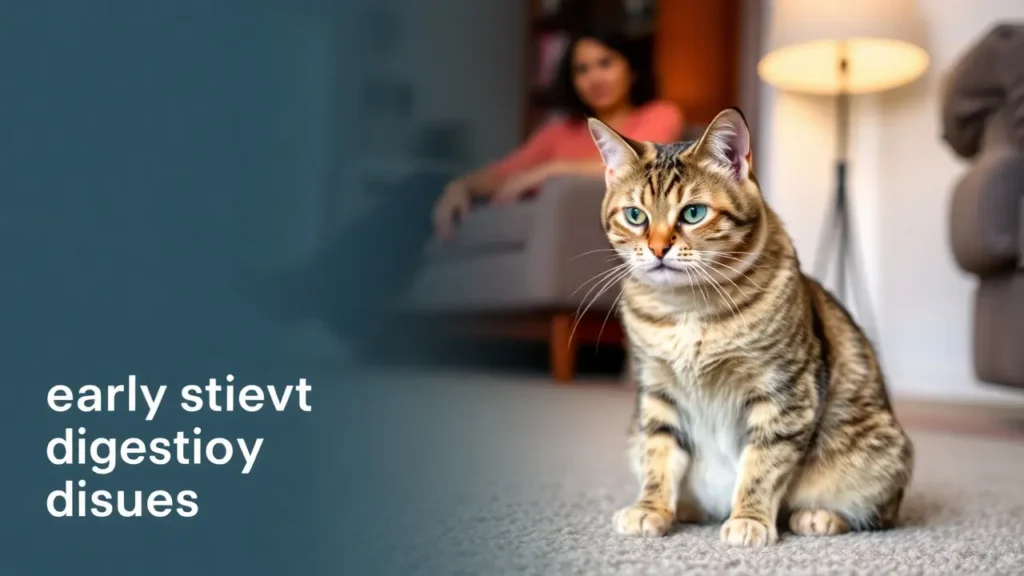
[[986, 78], [492, 282], [985, 225], [542, 253], [999, 330], [488, 229]]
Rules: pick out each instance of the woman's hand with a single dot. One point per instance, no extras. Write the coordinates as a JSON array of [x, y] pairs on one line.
[[515, 187], [453, 204]]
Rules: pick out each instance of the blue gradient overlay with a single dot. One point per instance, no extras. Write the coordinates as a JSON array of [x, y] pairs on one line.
[[155, 157]]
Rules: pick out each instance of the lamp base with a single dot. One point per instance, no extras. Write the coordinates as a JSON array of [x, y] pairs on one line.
[[837, 239]]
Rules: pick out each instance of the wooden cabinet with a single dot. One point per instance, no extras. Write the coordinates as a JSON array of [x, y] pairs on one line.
[[697, 55]]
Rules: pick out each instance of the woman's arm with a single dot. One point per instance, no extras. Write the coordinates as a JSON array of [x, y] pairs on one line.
[[585, 168], [533, 154], [514, 187], [487, 182], [479, 183]]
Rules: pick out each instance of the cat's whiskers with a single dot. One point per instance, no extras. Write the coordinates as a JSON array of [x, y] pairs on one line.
[[720, 255], [729, 296], [605, 287], [729, 255], [593, 252], [704, 291], [741, 273], [723, 275], [722, 291], [622, 291], [604, 278], [699, 286], [689, 276], [740, 252], [598, 277], [608, 283]]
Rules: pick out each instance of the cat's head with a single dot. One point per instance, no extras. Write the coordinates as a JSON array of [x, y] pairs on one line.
[[685, 213]]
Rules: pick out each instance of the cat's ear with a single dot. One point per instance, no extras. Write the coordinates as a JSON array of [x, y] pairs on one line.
[[617, 151], [726, 143]]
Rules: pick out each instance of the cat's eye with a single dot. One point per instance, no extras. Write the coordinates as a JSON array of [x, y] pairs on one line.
[[694, 213], [635, 216]]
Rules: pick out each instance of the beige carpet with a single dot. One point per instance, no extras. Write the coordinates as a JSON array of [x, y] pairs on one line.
[[548, 466]]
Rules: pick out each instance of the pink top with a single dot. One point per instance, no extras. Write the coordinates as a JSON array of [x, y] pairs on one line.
[[563, 139]]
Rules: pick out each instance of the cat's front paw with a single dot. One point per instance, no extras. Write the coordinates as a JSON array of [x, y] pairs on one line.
[[808, 522], [747, 532], [637, 521]]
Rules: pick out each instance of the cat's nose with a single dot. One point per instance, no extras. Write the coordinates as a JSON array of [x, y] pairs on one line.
[[659, 249]]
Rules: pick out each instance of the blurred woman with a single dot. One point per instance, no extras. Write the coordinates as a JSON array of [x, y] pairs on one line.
[[601, 76]]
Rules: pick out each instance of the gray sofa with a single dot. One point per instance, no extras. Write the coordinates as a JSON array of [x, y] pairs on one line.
[[522, 270], [983, 121]]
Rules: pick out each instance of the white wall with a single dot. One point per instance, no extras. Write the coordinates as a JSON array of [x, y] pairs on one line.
[[466, 59], [901, 180], [464, 63]]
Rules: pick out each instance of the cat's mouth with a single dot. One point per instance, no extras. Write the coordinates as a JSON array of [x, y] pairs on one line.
[[666, 267], [662, 273], [665, 274]]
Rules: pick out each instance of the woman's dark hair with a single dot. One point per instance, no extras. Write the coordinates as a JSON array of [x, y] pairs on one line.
[[637, 53]]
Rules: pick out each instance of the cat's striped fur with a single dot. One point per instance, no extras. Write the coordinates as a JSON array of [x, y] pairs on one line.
[[760, 402]]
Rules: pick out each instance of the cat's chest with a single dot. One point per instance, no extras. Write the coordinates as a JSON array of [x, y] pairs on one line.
[[680, 341], [714, 426], [712, 417]]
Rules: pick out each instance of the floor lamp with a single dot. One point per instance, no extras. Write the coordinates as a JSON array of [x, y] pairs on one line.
[[842, 48]]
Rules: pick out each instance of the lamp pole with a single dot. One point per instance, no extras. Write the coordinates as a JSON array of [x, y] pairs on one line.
[[839, 228], [843, 136]]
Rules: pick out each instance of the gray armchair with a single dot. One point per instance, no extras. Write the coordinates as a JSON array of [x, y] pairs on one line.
[[518, 270], [983, 115]]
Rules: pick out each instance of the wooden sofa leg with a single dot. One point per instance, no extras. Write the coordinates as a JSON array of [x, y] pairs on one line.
[[563, 348]]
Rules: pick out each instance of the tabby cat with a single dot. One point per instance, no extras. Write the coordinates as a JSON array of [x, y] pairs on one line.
[[759, 399]]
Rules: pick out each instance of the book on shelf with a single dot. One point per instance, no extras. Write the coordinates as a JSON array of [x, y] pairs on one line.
[[551, 47]]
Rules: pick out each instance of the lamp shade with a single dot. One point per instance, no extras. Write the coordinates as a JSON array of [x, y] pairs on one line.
[[881, 41]]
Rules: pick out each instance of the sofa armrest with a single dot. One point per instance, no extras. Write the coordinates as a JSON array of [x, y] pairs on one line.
[[567, 245], [986, 227]]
